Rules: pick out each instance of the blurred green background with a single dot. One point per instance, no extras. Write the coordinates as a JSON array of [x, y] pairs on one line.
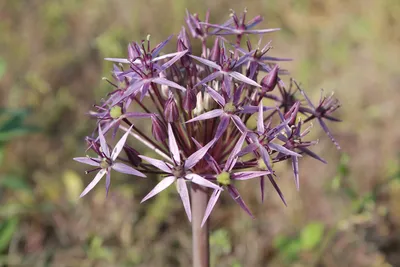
[[347, 213]]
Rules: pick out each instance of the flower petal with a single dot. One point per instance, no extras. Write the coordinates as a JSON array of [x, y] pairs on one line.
[[167, 181], [169, 83], [197, 179], [278, 190], [198, 155], [103, 143], [210, 206], [214, 94], [248, 149], [87, 160], [157, 163], [236, 196], [123, 168], [231, 161], [210, 77], [248, 175], [295, 166], [168, 64], [184, 194], [239, 123], [94, 182], [326, 130], [242, 78], [260, 119], [208, 115], [222, 126], [206, 62], [118, 147], [283, 149], [173, 146], [160, 46]]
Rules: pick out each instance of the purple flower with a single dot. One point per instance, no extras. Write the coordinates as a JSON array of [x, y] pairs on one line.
[[179, 172], [200, 106], [106, 161]]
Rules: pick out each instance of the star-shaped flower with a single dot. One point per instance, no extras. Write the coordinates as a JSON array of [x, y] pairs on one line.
[[179, 172], [106, 161]]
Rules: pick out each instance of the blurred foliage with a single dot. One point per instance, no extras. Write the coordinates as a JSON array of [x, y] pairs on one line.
[[51, 64]]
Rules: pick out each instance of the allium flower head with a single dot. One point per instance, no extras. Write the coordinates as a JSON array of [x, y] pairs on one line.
[[199, 108]]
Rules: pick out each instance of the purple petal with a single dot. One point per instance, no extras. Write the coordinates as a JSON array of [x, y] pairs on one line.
[[231, 161], [103, 143], [197, 179], [326, 130], [108, 182], [169, 83], [206, 62], [173, 146], [138, 115], [214, 94], [173, 60], [208, 115], [165, 56], [268, 58], [160, 46], [210, 206], [248, 175], [261, 31], [248, 149], [312, 154], [305, 96], [157, 163], [87, 160], [167, 181], [239, 124], [236, 196], [184, 194], [222, 126], [118, 147], [283, 150], [123, 168], [119, 60], [208, 158], [198, 155], [260, 119], [278, 190], [227, 85], [210, 77], [262, 186], [242, 78], [265, 157], [94, 182], [295, 166]]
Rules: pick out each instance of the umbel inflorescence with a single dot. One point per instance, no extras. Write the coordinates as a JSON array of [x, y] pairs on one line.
[[199, 107]]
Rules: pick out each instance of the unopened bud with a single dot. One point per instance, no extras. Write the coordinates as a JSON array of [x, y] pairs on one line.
[[215, 51], [199, 109], [171, 112], [268, 83], [133, 155], [158, 129], [189, 101]]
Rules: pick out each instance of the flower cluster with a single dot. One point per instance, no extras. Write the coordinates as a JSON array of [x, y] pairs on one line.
[[216, 118]]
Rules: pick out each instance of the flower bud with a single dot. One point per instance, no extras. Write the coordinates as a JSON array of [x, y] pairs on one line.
[[189, 100], [133, 155], [269, 82], [215, 53], [199, 109], [158, 129], [171, 112]]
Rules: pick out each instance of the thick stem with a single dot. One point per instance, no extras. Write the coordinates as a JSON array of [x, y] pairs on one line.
[[200, 235]]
